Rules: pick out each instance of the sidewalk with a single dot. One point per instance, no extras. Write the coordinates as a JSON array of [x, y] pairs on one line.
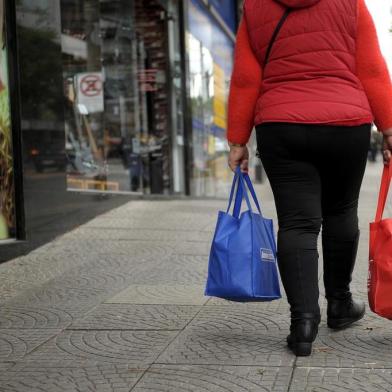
[[118, 305]]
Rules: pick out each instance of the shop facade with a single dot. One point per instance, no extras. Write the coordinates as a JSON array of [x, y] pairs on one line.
[[103, 100]]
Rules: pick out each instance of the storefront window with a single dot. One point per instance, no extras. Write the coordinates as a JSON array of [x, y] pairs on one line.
[[209, 52], [115, 64], [7, 200]]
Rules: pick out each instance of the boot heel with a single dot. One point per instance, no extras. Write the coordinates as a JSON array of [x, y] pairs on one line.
[[303, 332], [303, 349]]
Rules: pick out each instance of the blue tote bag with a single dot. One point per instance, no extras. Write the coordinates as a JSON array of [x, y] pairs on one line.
[[242, 263]]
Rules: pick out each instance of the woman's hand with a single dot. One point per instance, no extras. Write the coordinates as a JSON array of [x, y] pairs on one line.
[[387, 145], [387, 148], [239, 156]]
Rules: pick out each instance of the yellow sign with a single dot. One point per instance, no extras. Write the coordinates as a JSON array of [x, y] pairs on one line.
[[219, 103]]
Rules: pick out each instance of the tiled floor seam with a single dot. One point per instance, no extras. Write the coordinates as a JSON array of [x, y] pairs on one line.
[[163, 350], [39, 346], [122, 329], [127, 230], [292, 374], [239, 366], [343, 367]]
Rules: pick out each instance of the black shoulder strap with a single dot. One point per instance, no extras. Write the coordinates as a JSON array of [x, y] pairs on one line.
[[275, 34]]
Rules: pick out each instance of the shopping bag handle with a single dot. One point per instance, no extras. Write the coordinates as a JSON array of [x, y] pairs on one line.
[[252, 191], [239, 194], [384, 188], [235, 180], [243, 182], [247, 184], [242, 192]]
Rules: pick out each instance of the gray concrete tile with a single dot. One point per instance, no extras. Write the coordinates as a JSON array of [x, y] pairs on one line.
[[313, 379], [37, 377], [11, 288], [245, 338], [365, 344], [132, 317], [93, 347], [16, 344], [5, 366], [239, 318], [24, 317], [196, 378], [136, 234], [55, 294], [147, 219], [279, 306], [161, 294]]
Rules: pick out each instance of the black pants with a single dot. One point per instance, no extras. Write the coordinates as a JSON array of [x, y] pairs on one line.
[[315, 172]]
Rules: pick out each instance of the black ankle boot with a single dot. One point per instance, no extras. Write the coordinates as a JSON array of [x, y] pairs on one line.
[[343, 312], [303, 332]]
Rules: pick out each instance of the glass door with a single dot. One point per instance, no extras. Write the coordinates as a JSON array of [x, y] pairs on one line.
[[115, 65]]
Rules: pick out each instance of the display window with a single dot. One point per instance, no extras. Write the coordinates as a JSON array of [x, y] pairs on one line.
[[7, 196], [210, 59], [116, 92]]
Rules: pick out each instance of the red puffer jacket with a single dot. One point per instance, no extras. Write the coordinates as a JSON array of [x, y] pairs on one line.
[[317, 71]]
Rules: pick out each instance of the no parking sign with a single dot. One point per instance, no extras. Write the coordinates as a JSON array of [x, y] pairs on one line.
[[89, 92]]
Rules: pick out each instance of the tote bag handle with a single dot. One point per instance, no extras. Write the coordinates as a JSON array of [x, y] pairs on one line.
[[243, 182], [252, 191], [233, 187], [384, 188]]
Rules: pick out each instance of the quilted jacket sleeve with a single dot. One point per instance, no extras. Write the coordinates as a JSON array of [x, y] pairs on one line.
[[372, 69], [245, 86]]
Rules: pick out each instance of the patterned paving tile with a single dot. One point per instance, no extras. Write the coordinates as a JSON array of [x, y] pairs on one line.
[[10, 288], [196, 378], [16, 344], [98, 247], [279, 306], [5, 366], [94, 347], [341, 380], [239, 318], [229, 348], [55, 294], [152, 221], [131, 317], [139, 234], [161, 294], [229, 336], [22, 317], [366, 344], [177, 269], [37, 377], [40, 261]]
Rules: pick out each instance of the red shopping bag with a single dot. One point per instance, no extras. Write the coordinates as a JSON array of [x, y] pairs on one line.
[[380, 254]]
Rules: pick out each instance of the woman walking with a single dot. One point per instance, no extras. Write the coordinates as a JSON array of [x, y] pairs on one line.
[[312, 93]]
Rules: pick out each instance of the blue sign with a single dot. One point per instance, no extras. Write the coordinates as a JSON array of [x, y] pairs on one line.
[[204, 28], [227, 10]]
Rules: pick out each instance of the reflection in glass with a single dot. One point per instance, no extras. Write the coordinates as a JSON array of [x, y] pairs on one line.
[[115, 89], [209, 52]]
